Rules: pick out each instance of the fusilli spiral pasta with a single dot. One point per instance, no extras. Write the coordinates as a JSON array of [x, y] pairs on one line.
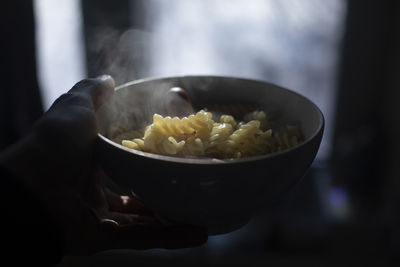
[[200, 135]]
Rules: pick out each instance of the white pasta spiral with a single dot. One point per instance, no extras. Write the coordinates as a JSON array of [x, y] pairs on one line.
[[219, 135], [199, 135]]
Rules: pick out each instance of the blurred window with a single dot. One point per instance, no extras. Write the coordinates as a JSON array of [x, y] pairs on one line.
[[292, 43], [60, 47]]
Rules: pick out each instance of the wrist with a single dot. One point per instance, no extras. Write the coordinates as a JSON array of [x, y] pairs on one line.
[[28, 161]]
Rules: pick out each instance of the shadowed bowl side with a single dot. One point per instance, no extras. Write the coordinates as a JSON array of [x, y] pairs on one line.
[[220, 195]]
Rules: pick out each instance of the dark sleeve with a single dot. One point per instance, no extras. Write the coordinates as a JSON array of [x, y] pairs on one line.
[[28, 232]]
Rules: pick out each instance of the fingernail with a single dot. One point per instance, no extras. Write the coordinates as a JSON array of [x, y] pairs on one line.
[[109, 222], [107, 79]]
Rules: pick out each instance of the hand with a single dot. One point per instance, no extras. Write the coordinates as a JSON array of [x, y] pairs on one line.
[[55, 162]]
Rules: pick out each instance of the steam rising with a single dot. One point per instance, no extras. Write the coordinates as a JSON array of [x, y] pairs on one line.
[[124, 55], [291, 43]]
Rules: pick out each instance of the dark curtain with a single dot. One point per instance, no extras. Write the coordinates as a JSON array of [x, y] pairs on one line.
[[20, 101], [365, 99], [366, 147]]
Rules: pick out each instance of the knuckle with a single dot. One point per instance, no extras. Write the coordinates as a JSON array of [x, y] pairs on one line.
[[89, 82], [76, 98]]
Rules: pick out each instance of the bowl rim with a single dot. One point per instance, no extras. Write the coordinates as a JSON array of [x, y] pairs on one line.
[[213, 161]]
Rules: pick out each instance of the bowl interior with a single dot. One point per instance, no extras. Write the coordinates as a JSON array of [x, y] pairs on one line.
[[134, 104]]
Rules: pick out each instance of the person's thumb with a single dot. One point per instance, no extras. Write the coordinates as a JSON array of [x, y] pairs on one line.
[[99, 89]]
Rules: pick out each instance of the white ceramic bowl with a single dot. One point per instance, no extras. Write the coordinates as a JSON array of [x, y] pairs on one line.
[[219, 195]]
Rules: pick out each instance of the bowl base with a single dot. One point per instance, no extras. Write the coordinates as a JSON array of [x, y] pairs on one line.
[[227, 227], [220, 228]]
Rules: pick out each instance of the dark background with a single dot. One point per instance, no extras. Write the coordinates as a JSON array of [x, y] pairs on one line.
[[364, 165]]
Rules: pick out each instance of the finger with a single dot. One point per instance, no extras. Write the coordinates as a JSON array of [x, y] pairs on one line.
[[147, 236], [99, 89], [127, 218], [125, 204]]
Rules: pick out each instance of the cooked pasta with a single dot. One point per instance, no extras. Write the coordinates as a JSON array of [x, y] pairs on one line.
[[199, 135]]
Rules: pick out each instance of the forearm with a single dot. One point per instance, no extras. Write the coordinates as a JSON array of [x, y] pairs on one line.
[[30, 227], [29, 232], [44, 171]]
